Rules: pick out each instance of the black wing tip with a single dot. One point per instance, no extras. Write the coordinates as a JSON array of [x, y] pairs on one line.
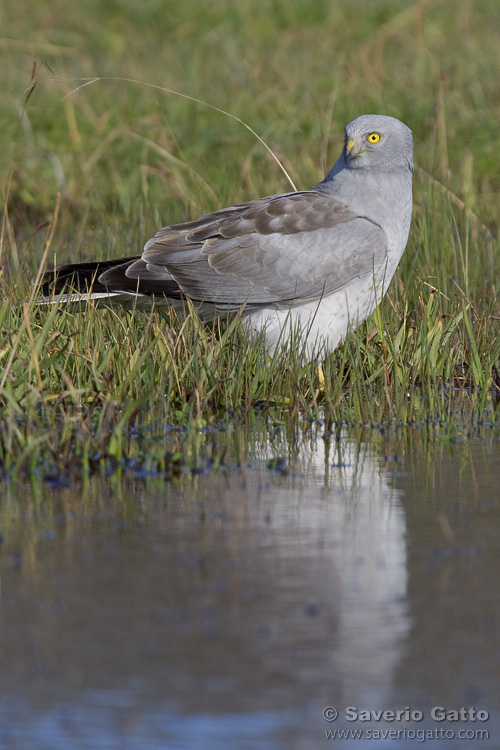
[[105, 277], [80, 277]]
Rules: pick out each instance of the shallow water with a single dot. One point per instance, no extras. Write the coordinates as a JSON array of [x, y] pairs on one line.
[[229, 609]]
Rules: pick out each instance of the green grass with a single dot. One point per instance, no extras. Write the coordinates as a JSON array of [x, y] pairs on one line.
[[94, 174]]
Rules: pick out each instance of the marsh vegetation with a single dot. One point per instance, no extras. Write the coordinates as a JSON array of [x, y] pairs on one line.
[[93, 170]]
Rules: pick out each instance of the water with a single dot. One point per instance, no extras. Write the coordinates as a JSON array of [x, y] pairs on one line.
[[230, 609]]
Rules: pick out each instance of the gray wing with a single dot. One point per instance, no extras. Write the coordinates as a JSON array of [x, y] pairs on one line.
[[284, 248]]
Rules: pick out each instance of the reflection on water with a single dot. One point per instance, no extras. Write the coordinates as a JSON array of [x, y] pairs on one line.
[[228, 610], [367, 558]]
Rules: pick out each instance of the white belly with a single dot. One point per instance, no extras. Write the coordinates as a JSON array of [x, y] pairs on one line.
[[321, 325]]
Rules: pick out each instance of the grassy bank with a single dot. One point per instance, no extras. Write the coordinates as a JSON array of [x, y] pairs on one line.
[[95, 172]]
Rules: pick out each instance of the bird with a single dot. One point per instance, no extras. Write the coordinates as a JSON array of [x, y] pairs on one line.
[[311, 262]]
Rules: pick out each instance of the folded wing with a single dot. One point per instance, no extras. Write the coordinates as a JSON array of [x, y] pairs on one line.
[[288, 248]]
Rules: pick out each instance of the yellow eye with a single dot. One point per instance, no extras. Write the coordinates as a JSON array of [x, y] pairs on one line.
[[374, 137]]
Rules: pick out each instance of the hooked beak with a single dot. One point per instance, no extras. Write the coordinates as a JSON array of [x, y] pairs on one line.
[[351, 150]]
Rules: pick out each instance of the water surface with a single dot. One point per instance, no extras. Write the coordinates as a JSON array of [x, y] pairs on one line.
[[228, 609]]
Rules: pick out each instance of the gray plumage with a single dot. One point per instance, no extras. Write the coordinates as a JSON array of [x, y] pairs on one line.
[[317, 260]]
